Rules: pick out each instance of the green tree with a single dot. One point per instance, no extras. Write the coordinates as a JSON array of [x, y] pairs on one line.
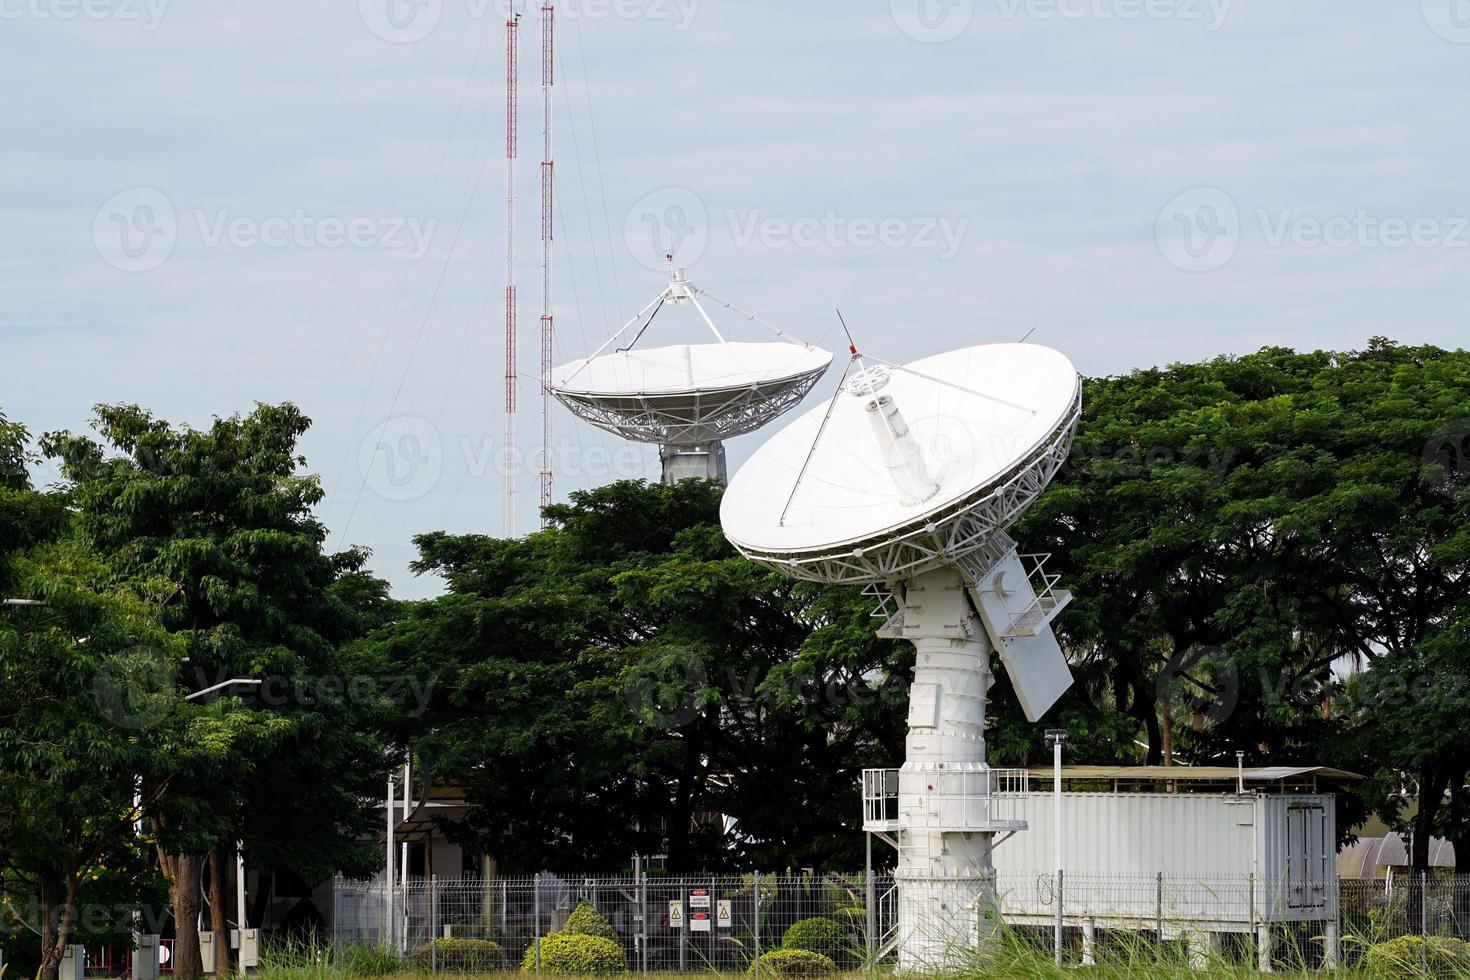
[[1233, 529], [224, 515], [624, 680], [81, 675]]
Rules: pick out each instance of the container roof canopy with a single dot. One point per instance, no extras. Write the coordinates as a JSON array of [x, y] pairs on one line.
[[1200, 777]]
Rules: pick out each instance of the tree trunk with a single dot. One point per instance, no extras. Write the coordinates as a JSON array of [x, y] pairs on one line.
[[55, 925], [221, 858], [187, 901], [1146, 710]]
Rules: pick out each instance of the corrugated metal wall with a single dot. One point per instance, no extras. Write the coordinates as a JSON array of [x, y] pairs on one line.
[[1114, 844]]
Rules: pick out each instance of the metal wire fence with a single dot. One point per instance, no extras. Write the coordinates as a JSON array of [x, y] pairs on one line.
[[664, 924], [723, 923]]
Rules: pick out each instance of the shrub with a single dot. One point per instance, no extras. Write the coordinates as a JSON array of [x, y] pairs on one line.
[[1400, 957], [794, 963], [564, 952], [458, 956], [585, 920], [819, 935]]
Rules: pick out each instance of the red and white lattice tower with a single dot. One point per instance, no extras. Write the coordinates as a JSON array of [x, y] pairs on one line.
[[512, 57], [548, 183]]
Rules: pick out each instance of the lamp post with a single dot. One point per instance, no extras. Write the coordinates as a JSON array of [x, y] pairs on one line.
[[239, 856], [1056, 738]]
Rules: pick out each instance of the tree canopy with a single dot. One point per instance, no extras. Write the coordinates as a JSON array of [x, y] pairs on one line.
[[1268, 553]]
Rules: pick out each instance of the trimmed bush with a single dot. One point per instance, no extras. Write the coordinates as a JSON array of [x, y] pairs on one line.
[[819, 935], [565, 953], [794, 963], [585, 920], [459, 956], [1401, 956]]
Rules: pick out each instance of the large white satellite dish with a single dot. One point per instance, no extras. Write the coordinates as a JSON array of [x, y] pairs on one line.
[[688, 398], [907, 481]]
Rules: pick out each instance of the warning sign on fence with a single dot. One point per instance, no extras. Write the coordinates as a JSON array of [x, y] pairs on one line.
[[699, 898], [724, 914], [699, 922], [676, 915]]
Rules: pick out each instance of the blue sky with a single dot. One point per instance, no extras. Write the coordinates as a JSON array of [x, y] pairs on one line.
[[206, 205]]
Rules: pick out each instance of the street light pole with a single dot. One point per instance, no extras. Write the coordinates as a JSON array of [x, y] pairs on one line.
[[1056, 738]]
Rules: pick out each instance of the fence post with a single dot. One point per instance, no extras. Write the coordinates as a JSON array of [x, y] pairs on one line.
[[1424, 923], [536, 912], [643, 919], [757, 964], [872, 903], [687, 932], [1057, 932], [1159, 910], [433, 923]]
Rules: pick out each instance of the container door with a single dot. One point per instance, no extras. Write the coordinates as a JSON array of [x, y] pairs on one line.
[[1296, 833], [1318, 849], [1306, 872]]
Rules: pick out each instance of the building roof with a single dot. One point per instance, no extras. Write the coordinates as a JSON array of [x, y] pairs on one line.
[[1373, 857], [1273, 776]]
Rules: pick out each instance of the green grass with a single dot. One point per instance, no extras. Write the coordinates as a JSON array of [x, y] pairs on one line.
[[1016, 955]]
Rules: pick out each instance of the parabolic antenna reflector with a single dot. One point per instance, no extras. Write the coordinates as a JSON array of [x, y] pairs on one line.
[[689, 394], [687, 398], [992, 423]]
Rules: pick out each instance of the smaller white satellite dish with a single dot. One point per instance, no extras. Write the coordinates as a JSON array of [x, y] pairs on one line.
[[689, 394], [688, 398]]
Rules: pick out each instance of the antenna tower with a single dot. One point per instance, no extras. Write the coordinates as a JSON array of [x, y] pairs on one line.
[[548, 182], [512, 55]]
